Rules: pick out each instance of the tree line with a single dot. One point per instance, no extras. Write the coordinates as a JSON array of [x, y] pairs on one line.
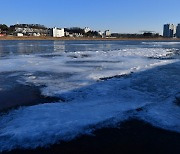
[[81, 31]]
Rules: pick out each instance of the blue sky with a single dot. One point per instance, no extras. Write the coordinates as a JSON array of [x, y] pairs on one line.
[[125, 16]]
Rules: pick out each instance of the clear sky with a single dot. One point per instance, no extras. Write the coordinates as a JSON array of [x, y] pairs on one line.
[[124, 16]]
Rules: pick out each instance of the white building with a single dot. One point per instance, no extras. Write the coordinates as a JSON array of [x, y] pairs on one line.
[[100, 33], [107, 33], [178, 31], [169, 30], [87, 29], [36, 34], [19, 34], [57, 32]]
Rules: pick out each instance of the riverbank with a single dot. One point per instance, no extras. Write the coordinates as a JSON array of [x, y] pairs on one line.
[[133, 136], [84, 38]]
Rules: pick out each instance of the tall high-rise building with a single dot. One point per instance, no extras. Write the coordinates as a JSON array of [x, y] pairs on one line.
[[178, 31], [169, 30]]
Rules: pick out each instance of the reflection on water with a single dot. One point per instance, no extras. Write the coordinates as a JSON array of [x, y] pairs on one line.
[[8, 48], [59, 46]]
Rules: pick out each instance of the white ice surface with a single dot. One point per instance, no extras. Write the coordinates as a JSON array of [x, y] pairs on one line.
[[162, 43], [85, 70], [89, 104]]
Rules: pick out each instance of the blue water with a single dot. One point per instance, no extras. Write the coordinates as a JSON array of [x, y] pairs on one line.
[[34, 47]]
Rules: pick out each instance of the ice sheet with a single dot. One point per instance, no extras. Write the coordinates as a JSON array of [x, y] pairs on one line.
[[90, 102]]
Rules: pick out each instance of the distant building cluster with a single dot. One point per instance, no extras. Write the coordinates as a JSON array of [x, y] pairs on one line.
[[171, 31], [28, 30], [40, 30]]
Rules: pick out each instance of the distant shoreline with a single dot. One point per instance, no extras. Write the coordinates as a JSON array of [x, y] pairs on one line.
[[86, 39]]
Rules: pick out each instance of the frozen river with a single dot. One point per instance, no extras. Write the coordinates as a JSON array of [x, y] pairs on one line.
[[95, 83]]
